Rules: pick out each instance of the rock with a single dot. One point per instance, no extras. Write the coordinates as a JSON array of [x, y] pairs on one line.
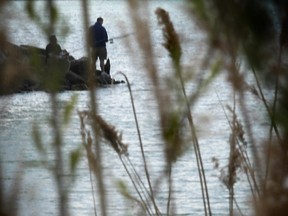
[[24, 68]]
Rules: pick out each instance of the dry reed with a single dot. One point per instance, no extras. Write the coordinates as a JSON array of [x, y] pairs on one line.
[[174, 48], [114, 139], [230, 39], [93, 105]]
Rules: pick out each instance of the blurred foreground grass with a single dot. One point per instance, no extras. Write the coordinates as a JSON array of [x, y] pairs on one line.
[[252, 33]]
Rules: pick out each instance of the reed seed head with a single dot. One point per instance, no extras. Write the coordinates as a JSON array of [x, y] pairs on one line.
[[171, 43]]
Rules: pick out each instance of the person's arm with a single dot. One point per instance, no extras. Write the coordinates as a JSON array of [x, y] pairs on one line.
[[106, 35]]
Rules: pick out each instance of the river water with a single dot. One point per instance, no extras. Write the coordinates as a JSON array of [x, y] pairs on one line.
[[20, 157]]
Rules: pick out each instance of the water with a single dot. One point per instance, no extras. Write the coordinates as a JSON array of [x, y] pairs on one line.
[[19, 112]]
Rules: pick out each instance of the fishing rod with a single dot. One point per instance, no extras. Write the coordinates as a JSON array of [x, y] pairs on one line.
[[111, 41], [119, 37]]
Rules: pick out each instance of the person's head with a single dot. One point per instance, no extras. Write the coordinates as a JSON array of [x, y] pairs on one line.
[[100, 20], [53, 39]]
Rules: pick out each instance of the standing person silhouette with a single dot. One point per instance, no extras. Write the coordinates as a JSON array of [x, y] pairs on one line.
[[98, 39]]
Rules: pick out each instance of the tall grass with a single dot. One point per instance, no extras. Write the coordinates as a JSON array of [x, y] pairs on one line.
[[237, 31]]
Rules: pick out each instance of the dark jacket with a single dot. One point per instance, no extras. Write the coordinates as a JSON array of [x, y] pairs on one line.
[[98, 35], [54, 49]]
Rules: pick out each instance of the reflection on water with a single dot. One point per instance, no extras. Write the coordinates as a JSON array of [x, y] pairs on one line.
[[19, 112]]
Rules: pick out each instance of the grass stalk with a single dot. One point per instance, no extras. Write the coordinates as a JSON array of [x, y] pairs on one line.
[[238, 207], [87, 146], [59, 166], [239, 88], [140, 182], [169, 189], [273, 127], [201, 170], [268, 156], [231, 166], [91, 85], [256, 158], [143, 203], [92, 167], [271, 113], [141, 145], [173, 46], [200, 166], [109, 133], [244, 158], [93, 191], [63, 199]]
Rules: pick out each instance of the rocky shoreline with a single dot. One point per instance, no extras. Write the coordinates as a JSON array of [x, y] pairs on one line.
[[25, 68]]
